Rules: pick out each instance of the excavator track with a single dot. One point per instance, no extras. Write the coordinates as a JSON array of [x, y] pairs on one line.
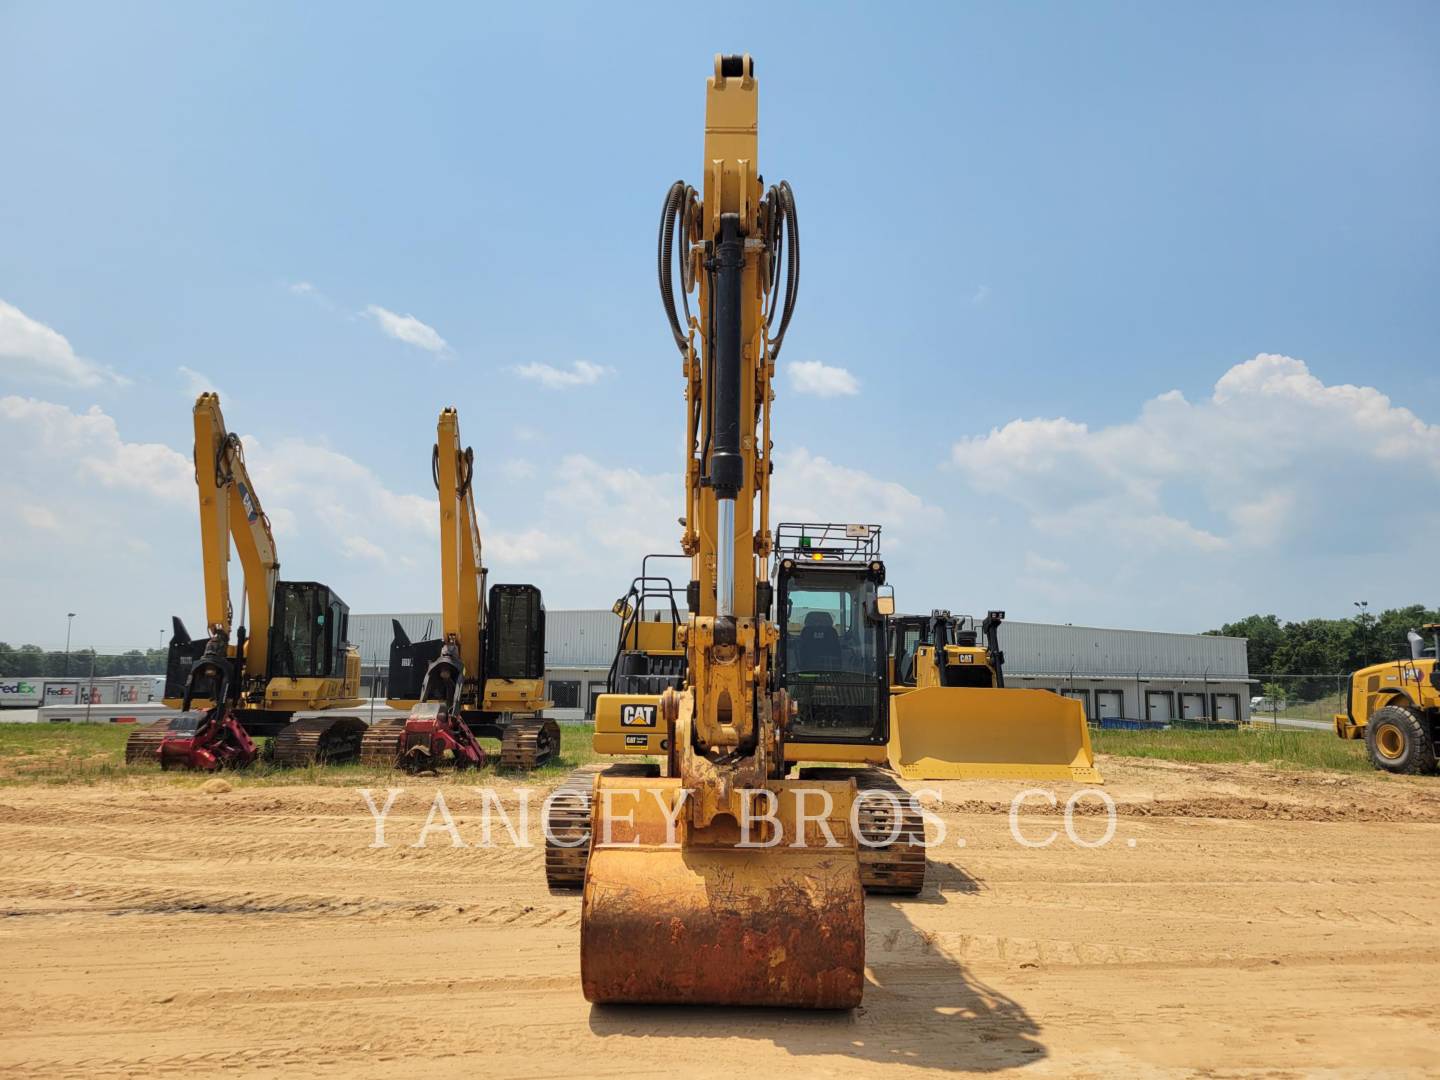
[[529, 743], [895, 866], [380, 745], [144, 742], [318, 740], [567, 821]]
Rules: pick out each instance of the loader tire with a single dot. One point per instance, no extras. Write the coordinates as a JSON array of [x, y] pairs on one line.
[[1398, 742]]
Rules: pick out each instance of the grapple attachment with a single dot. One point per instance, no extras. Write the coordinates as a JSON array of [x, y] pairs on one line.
[[962, 733], [704, 920]]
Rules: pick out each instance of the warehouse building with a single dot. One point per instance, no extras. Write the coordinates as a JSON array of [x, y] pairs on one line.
[[1116, 674]]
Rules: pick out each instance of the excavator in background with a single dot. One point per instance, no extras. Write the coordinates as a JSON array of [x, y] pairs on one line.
[[1395, 707], [485, 675], [692, 892], [953, 718], [292, 658]]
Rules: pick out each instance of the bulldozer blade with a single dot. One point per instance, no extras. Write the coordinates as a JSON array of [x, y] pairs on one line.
[[716, 923], [961, 733]]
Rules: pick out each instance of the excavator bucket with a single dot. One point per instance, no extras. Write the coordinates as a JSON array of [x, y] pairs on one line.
[[711, 922], [962, 733]]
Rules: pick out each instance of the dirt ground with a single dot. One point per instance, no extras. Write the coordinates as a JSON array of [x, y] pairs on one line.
[[1241, 922]]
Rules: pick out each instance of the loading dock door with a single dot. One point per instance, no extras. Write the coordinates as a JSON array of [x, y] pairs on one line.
[[1227, 706], [1192, 706], [1160, 705], [1109, 704]]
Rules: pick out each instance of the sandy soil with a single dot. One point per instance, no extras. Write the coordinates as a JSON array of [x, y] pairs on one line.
[[1259, 924]]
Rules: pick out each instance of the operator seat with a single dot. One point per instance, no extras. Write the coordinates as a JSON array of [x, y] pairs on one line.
[[819, 644]]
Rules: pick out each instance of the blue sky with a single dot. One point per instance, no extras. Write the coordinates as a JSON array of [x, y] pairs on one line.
[[1046, 243]]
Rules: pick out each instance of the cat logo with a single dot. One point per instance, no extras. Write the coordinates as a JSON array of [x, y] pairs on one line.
[[965, 658], [637, 740], [637, 715]]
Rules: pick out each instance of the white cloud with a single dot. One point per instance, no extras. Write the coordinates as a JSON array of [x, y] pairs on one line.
[[81, 446], [40, 517], [1039, 564], [408, 329], [1258, 464], [301, 288], [517, 469], [31, 350], [980, 296], [357, 547], [321, 492], [808, 487], [821, 380], [529, 547], [197, 382], [581, 373], [81, 508], [625, 511]]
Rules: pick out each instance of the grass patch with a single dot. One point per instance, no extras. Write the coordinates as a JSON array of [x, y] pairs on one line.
[[1282, 747], [95, 753]]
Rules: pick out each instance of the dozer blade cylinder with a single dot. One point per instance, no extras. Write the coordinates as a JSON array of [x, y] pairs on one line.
[[963, 733], [716, 923]]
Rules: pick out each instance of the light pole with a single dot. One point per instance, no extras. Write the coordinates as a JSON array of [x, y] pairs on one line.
[[1363, 606], [69, 622]]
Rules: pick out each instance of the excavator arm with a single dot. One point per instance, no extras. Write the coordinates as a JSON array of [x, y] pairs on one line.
[[230, 510], [462, 570]]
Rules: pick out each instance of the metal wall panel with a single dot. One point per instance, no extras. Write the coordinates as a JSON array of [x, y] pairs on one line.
[[586, 638], [372, 634], [1044, 648], [572, 638]]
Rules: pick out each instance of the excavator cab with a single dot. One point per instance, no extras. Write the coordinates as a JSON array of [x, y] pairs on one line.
[[831, 657], [307, 634]]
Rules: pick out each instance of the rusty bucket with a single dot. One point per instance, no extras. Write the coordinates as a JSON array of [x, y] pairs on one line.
[[705, 920]]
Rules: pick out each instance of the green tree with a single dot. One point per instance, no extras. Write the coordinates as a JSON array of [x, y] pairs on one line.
[[1263, 635]]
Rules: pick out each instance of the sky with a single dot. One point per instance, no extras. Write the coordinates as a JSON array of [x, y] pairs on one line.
[[1111, 314]]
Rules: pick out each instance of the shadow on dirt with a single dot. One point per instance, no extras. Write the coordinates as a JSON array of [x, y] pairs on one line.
[[922, 1008]]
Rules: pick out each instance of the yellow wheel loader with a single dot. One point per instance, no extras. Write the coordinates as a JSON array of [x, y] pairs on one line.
[[723, 881], [484, 677], [293, 657], [1395, 708], [953, 718]]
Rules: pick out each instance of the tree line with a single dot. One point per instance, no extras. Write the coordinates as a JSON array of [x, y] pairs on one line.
[[1318, 650], [31, 660]]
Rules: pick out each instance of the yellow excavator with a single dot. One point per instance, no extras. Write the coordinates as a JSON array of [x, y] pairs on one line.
[[293, 658], [723, 881], [485, 675], [953, 718]]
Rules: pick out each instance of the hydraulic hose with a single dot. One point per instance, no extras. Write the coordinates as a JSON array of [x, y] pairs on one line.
[[673, 239], [783, 242]]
